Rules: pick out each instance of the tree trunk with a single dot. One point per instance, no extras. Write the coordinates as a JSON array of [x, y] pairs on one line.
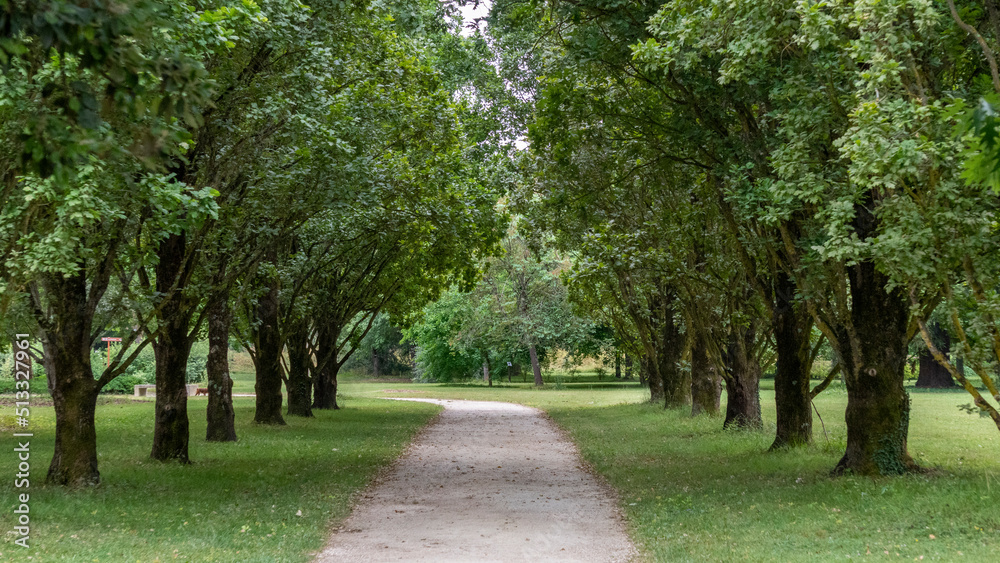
[[375, 366], [537, 369], [171, 430], [268, 365], [220, 415], [618, 364], [706, 385], [325, 388], [648, 374], [628, 366], [325, 379], [878, 408], [299, 364], [742, 382], [71, 380], [486, 372], [676, 381], [171, 347], [933, 375], [74, 462], [792, 326]]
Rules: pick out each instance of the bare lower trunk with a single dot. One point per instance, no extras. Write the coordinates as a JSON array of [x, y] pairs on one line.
[[325, 379], [71, 380], [268, 364], [878, 408], [171, 430], [486, 372], [325, 389], [172, 346], [792, 327], [649, 375], [618, 364], [676, 381], [220, 415], [535, 367], [375, 363], [706, 385], [74, 462], [299, 383], [742, 382]]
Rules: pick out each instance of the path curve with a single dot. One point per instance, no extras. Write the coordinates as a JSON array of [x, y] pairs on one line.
[[485, 482]]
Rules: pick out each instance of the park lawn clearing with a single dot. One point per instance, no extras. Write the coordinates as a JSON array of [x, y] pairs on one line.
[[272, 496], [693, 492]]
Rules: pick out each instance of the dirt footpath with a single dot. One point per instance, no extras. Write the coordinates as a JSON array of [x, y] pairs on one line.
[[485, 482]]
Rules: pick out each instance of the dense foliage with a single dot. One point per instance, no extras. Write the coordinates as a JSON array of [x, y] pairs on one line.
[[707, 188]]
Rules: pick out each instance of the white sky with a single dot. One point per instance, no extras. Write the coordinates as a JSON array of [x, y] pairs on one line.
[[469, 13]]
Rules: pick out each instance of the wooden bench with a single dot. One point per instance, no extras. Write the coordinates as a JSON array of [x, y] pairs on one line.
[[144, 390]]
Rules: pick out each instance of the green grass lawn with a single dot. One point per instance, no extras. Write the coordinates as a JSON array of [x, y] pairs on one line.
[[689, 490], [692, 492], [243, 381], [272, 496]]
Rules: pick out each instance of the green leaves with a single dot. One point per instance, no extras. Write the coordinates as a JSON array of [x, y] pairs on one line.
[[980, 128]]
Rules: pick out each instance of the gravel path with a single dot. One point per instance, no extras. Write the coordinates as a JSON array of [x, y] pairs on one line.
[[485, 482]]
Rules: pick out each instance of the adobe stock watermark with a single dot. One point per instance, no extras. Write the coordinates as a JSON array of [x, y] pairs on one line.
[[22, 413]]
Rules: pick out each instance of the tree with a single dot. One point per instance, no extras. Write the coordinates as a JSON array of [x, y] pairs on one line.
[[845, 96], [109, 89], [517, 311]]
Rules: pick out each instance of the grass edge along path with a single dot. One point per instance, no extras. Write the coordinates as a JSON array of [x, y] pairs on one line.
[[273, 496], [693, 492]]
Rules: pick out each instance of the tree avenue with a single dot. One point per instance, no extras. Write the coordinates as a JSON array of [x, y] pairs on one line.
[[222, 133], [809, 146], [715, 192]]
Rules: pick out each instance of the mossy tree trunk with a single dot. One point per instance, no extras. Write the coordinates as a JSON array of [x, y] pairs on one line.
[[328, 366], [71, 381], [676, 382], [742, 381], [649, 376], [220, 415], [172, 347], [299, 366], [792, 324], [171, 430], [873, 350], [706, 384], [268, 358]]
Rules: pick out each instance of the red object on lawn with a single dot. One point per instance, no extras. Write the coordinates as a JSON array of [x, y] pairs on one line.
[[109, 340]]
